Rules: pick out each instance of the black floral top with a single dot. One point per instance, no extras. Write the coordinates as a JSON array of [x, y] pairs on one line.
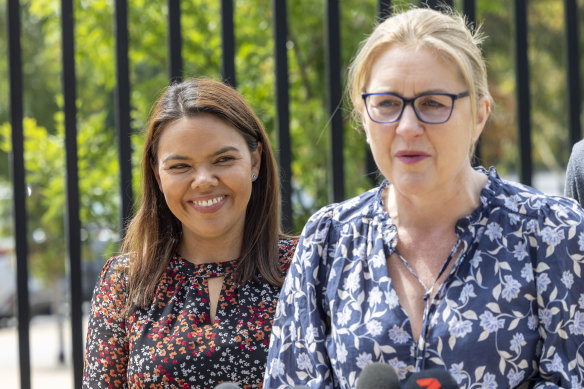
[[173, 343]]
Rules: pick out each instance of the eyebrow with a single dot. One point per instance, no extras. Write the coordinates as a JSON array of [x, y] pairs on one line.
[[177, 157], [429, 91]]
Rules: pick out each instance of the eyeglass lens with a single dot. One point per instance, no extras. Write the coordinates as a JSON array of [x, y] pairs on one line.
[[429, 108]]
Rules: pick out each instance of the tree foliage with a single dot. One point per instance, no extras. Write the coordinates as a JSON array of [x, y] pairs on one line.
[[255, 67]]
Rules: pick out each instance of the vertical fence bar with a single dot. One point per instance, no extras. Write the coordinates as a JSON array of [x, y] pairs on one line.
[[523, 100], [469, 11], [122, 112], [573, 64], [283, 111], [383, 9], [228, 43], [334, 89], [19, 190], [439, 4], [174, 41], [383, 12], [73, 226]]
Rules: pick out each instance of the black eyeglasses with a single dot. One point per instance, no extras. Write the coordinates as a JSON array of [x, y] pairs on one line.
[[430, 108]]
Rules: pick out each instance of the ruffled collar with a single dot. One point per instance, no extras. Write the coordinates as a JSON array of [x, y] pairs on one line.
[[487, 195], [203, 270]]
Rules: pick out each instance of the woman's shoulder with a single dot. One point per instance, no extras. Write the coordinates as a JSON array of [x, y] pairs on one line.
[[115, 269], [521, 200], [364, 205]]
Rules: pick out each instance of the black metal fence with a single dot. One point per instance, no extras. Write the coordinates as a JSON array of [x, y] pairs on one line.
[[519, 7]]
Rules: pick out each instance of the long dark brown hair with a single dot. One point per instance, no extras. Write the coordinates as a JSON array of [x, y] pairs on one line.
[[154, 233]]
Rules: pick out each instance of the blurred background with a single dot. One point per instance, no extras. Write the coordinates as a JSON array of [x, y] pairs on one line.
[[310, 141]]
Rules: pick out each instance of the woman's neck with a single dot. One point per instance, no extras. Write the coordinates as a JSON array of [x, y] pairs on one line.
[[431, 211], [200, 251]]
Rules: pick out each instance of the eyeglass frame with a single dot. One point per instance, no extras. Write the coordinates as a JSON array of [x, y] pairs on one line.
[[411, 101]]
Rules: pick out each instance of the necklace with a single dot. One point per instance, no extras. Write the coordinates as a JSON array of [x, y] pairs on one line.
[[428, 291]]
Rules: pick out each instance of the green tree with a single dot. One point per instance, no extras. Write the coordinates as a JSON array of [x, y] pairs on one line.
[[201, 34]]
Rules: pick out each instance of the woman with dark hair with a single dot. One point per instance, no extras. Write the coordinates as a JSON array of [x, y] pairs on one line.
[[191, 301]]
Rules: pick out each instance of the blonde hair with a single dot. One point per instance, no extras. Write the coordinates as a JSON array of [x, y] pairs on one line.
[[447, 34]]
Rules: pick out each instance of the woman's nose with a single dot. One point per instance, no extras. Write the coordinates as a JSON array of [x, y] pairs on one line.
[[203, 178], [409, 124]]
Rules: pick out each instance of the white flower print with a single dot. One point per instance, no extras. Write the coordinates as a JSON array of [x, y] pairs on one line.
[[581, 301], [310, 334], [568, 279], [491, 323], [351, 282], [277, 368], [375, 296], [467, 292], [515, 377], [527, 272], [342, 353], [459, 328], [374, 327], [531, 226], [363, 360], [551, 236], [556, 364], [520, 251], [514, 219], [457, 371], [576, 382], [476, 259], [511, 289], [581, 241], [577, 328], [543, 280], [489, 382], [344, 316], [398, 335], [304, 362], [494, 231], [545, 316], [517, 342], [378, 260], [513, 202], [532, 322], [392, 299], [292, 330], [400, 368]]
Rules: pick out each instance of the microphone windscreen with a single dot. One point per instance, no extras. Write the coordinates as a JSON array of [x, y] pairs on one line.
[[227, 385], [378, 376], [431, 379]]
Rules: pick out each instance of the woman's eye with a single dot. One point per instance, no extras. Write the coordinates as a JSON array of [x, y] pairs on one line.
[[388, 103], [224, 159], [178, 167]]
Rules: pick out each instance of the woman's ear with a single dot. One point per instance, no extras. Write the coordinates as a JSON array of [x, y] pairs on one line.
[[256, 159], [483, 111], [154, 168], [365, 130]]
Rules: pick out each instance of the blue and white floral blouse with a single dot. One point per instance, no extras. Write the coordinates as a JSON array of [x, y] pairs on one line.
[[510, 312]]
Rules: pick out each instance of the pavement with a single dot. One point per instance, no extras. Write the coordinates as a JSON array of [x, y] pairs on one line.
[[48, 339]]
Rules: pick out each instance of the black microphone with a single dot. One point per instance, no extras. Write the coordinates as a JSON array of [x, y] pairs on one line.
[[227, 385], [378, 376], [431, 379]]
